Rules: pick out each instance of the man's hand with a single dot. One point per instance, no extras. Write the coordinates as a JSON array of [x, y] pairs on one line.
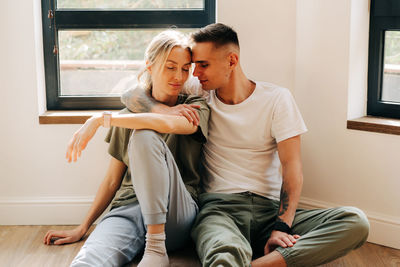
[[63, 237], [81, 138], [140, 101], [187, 110], [281, 239]]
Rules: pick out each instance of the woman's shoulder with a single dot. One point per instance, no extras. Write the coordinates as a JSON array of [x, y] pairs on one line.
[[130, 93], [191, 99]]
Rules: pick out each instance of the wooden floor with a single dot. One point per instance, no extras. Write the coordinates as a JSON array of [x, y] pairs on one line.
[[23, 246]]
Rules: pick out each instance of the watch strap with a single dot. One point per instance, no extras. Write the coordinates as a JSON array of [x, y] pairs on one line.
[[282, 227], [107, 119]]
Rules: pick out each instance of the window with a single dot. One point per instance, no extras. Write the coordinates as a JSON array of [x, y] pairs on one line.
[[94, 48], [384, 59]]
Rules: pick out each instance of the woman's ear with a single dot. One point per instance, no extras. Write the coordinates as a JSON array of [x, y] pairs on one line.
[[148, 66]]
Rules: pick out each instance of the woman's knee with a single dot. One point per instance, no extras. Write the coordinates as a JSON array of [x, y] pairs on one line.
[[117, 239], [97, 255], [142, 137], [143, 140]]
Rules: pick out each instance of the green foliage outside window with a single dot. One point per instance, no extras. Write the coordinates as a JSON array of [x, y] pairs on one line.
[[392, 47], [130, 4], [105, 45]]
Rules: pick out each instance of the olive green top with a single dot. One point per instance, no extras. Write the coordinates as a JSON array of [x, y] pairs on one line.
[[186, 150]]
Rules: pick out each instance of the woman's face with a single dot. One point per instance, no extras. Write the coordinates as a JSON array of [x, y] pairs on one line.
[[168, 80]]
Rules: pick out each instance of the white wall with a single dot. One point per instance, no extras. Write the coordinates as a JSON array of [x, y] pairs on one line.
[[33, 170], [305, 45], [341, 166], [267, 36]]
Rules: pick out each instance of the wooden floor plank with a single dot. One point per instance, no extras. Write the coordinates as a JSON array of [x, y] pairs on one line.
[[23, 246]]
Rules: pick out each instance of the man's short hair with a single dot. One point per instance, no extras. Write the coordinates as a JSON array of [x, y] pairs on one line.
[[218, 33]]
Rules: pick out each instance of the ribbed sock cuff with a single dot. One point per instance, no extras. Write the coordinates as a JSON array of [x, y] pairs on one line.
[[156, 218]]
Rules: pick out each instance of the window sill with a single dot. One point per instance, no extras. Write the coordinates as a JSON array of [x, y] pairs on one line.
[[368, 123], [67, 117], [375, 124]]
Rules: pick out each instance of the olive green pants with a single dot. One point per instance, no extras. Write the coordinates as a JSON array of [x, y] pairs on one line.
[[232, 229]]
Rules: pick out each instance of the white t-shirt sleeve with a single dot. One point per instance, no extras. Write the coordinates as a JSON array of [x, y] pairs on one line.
[[286, 118]]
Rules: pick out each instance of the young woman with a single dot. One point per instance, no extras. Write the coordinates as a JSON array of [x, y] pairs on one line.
[[156, 153]]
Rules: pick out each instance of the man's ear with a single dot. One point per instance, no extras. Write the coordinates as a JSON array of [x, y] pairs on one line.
[[233, 59]]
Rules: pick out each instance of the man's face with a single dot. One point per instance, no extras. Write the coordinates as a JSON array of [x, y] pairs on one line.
[[212, 65]]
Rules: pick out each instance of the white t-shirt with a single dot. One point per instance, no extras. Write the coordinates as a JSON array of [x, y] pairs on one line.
[[241, 151]]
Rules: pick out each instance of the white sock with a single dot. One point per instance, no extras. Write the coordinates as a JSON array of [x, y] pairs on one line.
[[155, 253]]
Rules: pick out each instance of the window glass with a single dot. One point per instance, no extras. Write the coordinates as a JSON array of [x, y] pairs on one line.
[[94, 49], [131, 4], [391, 71], [102, 62]]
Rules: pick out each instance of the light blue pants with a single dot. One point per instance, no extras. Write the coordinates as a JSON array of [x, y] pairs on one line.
[[162, 195]]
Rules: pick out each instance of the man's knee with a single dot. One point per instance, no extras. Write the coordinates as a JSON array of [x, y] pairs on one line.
[[218, 245], [358, 223], [224, 253]]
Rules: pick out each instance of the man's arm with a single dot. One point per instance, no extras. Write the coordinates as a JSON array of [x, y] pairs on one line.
[[139, 100], [292, 182], [289, 155], [105, 194]]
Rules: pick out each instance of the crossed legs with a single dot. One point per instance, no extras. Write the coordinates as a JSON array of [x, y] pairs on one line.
[[230, 227], [163, 198]]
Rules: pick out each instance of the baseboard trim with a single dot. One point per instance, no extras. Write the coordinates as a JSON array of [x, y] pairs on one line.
[[44, 210], [384, 229]]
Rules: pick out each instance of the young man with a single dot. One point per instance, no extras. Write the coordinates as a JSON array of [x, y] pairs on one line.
[[249, 208]]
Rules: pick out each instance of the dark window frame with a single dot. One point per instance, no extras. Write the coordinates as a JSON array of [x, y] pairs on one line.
[[385, 15], [60, 19]]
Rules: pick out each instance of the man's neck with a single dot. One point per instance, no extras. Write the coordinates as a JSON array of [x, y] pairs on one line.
[[237, 90]]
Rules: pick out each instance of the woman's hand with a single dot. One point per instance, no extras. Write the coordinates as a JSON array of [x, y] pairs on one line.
[[82, 137], [64, 236]]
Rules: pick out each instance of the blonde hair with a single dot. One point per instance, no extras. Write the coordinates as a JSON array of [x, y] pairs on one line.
[[158, 51]]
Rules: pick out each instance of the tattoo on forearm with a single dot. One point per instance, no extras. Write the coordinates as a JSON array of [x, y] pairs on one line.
[[284, 200], [139, 101]]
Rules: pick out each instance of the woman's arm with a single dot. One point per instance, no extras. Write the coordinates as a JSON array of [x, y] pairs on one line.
[[138, 100], [105, 194], [161, 123]]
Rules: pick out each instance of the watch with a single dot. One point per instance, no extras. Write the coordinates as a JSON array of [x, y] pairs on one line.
[[107, 119]]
